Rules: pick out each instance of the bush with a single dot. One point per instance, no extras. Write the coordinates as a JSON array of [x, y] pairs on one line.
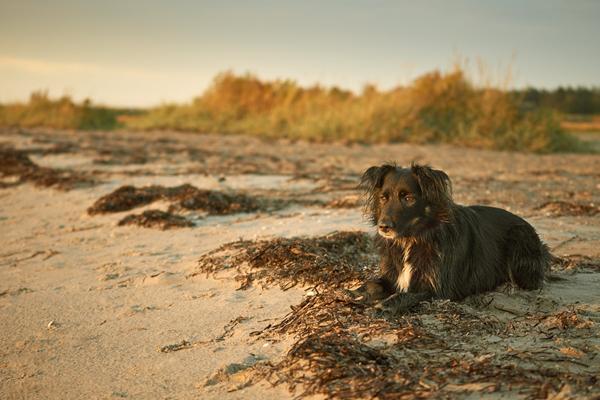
[[436, 108], [62, 113]]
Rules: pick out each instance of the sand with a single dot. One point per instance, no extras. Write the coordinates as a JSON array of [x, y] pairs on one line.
[[92, 309]]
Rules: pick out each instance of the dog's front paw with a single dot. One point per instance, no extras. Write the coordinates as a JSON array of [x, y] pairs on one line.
[[399, 303], [388, 305], [356, 294], [369, 292]]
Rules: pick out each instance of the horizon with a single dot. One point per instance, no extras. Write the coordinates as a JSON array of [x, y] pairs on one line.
[[114, 54]]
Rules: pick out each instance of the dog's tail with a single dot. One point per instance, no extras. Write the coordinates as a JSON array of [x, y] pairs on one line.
[[552, 276]]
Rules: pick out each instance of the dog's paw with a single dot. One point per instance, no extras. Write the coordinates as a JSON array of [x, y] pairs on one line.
[[399, 303], [388, 305], [356, 294], [366, 293]]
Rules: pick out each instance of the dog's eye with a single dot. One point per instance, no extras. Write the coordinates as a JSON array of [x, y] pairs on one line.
[[383, 196], [408, 198]]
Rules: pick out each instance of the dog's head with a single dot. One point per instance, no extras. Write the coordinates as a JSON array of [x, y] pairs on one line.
[[406, 202]]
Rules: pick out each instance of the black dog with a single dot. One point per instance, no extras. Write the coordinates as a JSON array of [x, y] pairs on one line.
[[431, 247]]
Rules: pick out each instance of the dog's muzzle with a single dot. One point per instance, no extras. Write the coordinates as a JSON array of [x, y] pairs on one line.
[[386, 230]]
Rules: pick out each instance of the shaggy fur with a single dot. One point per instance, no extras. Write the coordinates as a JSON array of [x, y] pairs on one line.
[[431, 247]]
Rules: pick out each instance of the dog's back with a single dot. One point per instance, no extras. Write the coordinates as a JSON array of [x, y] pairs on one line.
[[496, 246]]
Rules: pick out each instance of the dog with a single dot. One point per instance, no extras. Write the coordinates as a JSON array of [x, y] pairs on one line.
[[431, 247]]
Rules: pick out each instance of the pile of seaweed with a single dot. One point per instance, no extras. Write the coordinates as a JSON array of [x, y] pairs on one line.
[[334, 260], [156, 219], [182, 197], [344, 348], [16, 163]]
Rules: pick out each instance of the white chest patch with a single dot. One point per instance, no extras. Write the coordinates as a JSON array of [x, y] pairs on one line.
[[404, 277]]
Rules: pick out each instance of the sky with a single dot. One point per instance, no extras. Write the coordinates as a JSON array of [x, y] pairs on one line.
[[143, 52]]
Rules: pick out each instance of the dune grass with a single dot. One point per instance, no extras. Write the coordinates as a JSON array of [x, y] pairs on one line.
[[62, 113], [438, 107], [435, 108]]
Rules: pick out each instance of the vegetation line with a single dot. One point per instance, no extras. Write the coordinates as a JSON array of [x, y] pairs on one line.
[[435, 108]]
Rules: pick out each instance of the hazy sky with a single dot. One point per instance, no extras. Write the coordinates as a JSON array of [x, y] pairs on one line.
[[145, 52]]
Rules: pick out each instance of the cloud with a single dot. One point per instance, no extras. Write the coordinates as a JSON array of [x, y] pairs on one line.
[[45, 67]]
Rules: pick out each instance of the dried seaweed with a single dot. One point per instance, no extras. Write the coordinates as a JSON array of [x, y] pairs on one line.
[[344, 350], [215, 202], [183, 197], [334, 260], [170, 348], [567, 319], [574, 263], [337, 364], [349, 201], [565, 208], [156, 219], [16, 163]]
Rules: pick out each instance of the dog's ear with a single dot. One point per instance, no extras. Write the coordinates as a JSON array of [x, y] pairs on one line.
[[372, 179], [370, 182], [435, 185]]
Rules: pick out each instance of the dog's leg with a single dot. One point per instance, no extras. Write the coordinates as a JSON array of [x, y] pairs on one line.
[[527, 257], [373, 290], [402, 302], [380, 288]]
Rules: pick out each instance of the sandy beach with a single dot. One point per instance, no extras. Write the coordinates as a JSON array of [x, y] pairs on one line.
[[93, 306]]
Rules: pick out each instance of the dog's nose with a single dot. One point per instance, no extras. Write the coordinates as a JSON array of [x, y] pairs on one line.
[[385, 226]]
